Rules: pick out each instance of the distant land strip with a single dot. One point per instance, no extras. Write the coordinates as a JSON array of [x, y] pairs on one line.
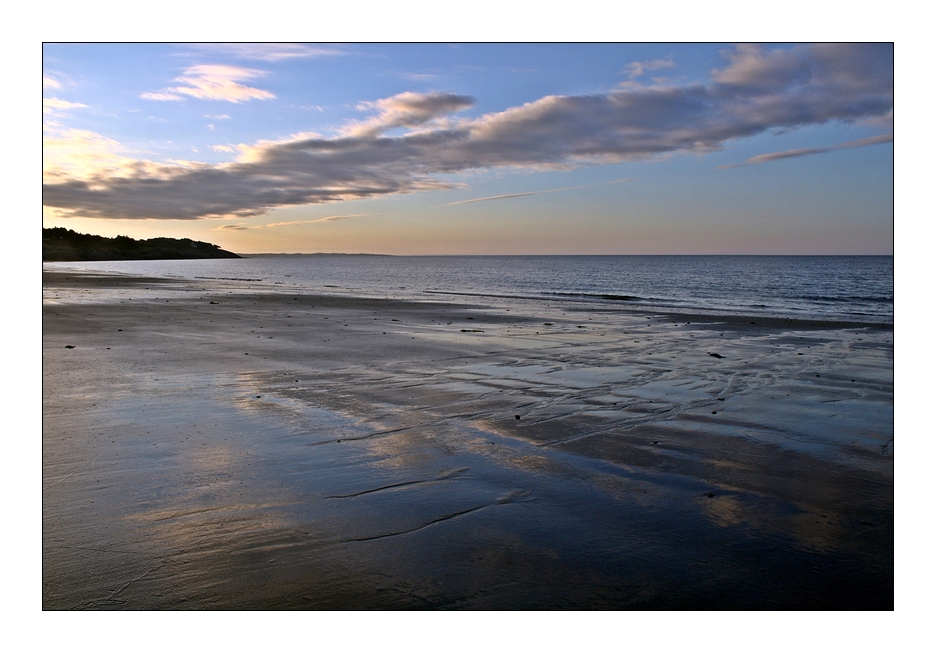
[[59, 244]]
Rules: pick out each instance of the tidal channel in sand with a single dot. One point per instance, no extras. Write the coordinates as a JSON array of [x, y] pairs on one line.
[[213, 445]]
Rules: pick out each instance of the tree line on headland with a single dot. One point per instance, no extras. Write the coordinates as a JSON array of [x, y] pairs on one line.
[[60, 244]]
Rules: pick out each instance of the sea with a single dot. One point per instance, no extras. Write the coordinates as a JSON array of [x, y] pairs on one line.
[[850, 288]]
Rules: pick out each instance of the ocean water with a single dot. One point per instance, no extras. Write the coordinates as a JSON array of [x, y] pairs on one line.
[[854, 288]]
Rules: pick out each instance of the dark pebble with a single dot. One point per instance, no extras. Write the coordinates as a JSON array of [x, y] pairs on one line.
[[516, 417], [69, 346], [710, 495]]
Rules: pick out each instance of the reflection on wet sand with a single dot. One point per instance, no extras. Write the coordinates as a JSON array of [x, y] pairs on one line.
[[384, 458]]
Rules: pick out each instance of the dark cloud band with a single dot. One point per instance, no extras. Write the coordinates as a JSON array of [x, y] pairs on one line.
[[758, 91]]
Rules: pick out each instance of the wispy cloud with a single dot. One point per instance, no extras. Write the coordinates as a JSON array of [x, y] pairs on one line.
[[329, 218], [789, 154], [638, 68], [213, 82], [757, 91], [420, 77], [407, 110], [50, 82], [534, 192], [499, 197], [242, 227], [271, 52], [51, 105], [162, 96]]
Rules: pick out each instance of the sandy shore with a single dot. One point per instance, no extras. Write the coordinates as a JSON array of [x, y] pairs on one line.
[[210, 445]]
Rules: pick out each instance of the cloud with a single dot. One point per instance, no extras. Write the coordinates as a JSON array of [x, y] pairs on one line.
[[638, 68], [51, 105], [756, 92], [162, 96], [420, 77], [883, 123], [271, 52], [222, 116], [340, 217], [242, 227], [329, 218], [213, 82], [789, 154], [75, 154], [499, 197], [50, 82], [534, 192], [407, 110]]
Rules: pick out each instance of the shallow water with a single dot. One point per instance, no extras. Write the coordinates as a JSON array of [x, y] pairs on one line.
[[856, 288], [238, 450]]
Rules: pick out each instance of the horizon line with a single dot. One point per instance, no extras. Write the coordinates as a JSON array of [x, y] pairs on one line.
[[245, 254]]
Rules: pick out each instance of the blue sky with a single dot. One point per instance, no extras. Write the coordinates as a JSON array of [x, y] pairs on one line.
[[568, 149]]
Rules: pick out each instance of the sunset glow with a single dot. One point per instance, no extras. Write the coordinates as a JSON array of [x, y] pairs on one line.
[[391, 148]]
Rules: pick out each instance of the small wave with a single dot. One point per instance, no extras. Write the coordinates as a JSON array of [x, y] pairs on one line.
[[850, 298], [615, 298]]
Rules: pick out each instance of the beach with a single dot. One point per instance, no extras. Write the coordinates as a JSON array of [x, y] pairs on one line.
[[208, 444]]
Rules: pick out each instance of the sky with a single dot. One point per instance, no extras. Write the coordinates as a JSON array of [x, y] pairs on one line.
[[409, 149]]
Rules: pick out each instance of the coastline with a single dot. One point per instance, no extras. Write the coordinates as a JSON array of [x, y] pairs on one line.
[[208, 446]]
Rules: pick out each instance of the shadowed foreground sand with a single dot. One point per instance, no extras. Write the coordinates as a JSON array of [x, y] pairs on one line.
[[222, 446]]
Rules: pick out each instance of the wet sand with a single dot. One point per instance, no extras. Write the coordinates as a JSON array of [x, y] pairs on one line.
[[217, 445]]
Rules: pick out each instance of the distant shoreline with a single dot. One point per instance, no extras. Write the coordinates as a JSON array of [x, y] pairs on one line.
[[249, 255]]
